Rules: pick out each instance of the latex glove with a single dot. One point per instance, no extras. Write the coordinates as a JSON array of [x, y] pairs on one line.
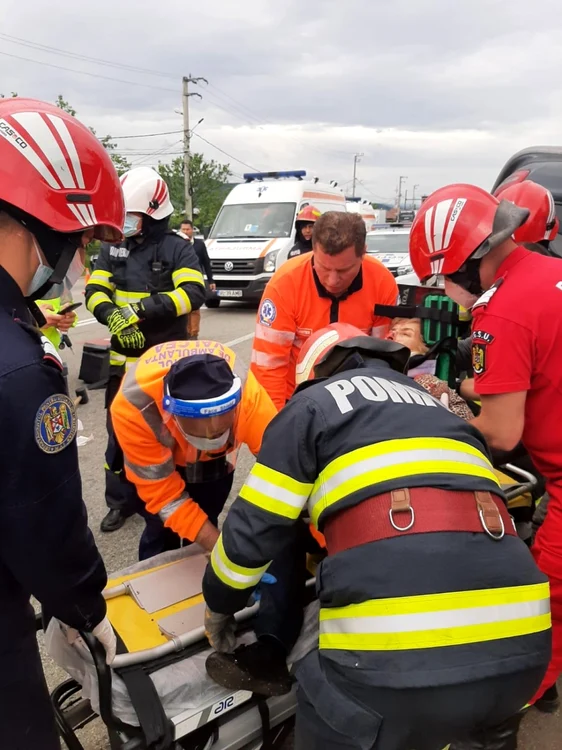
[[105, 635], [444, 398], [220, 631], [122, 318], [131, 338]]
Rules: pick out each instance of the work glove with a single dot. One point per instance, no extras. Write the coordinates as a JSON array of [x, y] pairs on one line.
[[122, 318], [131, 338], [105, 635], [220, 631]]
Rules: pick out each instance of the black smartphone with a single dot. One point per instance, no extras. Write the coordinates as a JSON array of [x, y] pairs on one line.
[[69, 308]]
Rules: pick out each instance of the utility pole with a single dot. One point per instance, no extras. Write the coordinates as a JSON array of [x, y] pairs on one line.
[[414, 197], [406, 199], [186, 142], [403, 178], [356, 158]]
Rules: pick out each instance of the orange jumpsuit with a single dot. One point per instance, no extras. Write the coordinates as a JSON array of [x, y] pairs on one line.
[[295, 304], [154, 446]]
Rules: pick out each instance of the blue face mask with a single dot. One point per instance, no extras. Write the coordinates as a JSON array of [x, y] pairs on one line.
[[132, 225], [41, 275]]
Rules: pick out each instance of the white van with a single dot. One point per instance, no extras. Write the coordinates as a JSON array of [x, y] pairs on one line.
[[255, 229], [358, 206]]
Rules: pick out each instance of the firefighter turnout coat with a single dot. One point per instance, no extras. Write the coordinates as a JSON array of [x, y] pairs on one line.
[[158, 459], [414, 610]]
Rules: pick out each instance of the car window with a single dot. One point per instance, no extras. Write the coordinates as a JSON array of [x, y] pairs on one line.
[[387, 243], [253, 220]]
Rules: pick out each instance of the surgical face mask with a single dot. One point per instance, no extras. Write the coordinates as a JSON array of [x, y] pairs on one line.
[[132, 225], [42, 274], [75, 271], [207, 444], [459, 295]]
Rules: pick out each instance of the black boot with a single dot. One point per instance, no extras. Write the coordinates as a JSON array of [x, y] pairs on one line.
[[260, 668], [549, 702], [113, 521], [501, 737]]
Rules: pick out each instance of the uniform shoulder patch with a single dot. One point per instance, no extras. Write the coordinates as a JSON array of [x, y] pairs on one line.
[[55, 424], [479, 357], [268, 312]]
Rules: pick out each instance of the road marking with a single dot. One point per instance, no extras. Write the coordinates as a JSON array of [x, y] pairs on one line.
[[87, 322], [239, 340]]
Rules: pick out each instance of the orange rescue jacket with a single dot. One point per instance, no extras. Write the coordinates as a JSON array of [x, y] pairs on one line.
[[153, 445], [295, 305]]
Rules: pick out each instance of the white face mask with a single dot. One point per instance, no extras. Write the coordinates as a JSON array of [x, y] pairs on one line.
[[42, 273], [207, 444], [459, 295]]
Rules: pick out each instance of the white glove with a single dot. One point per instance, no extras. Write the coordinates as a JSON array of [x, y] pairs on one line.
[[105, 635], [220, 631]]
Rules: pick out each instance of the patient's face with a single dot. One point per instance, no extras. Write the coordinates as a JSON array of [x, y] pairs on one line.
[[407, 331]]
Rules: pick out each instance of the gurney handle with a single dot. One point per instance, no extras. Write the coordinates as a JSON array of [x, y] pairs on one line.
[[175, 644], [522, 487]]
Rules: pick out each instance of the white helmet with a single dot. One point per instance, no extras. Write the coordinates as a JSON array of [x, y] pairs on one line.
[[146, 193]]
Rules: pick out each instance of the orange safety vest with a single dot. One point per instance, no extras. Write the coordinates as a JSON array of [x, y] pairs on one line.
[[294, 306], [153, 445]]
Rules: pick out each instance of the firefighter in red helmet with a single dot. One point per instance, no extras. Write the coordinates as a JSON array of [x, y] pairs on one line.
[[471, 237], [304, 225], [433, 618], [542, 225]]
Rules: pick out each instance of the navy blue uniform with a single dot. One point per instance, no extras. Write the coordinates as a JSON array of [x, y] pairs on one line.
[[46, 548]]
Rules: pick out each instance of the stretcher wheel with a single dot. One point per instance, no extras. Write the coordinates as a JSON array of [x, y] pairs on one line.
[[71, 712]]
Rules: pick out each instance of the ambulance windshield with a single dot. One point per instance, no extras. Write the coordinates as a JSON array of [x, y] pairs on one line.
[[254, 221]]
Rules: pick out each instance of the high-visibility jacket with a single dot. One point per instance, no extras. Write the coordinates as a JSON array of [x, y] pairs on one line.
[[295, 305], [161, 271], [154, 447], [52, 332], [411, 611]]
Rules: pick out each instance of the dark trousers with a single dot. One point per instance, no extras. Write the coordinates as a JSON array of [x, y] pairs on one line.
[[157, 538], [120, 494], [337, 712], [282, 603], [26, 716]]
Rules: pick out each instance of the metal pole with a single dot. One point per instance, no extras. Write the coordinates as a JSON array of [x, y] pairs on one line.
[[186, 136], [356, 158], [403, 178], [414, 196], [406, 199]]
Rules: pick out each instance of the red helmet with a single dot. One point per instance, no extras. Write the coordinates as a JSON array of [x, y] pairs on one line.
[[326, 351], [309, 214], [454, 223], [543, 223], [56, 171]]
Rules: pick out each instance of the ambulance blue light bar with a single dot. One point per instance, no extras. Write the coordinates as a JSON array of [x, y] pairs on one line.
[[352, 199], [251, 176]]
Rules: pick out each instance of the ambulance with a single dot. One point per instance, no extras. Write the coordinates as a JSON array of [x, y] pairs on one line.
[[255, 229], [364, 208]]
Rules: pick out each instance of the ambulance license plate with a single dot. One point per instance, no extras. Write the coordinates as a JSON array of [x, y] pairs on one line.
[[229, 292]]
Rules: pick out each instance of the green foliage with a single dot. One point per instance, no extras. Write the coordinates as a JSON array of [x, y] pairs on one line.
[[65, 106], [208, 180], [12, 95]]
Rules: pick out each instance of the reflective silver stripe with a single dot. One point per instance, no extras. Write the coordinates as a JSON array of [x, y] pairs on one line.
[[441, 619], [169, 509], [262, 359], [275, 337], [393, 459], [146, 406], [152, 472]]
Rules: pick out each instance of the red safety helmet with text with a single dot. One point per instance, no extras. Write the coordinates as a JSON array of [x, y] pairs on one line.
[[308, 215], [542, 224], [457, 223], [340, 347]]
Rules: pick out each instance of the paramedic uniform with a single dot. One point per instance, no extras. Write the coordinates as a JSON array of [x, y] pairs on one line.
[[295, 305], [428, 626], [46, 548], [517, 329], [163, 272]]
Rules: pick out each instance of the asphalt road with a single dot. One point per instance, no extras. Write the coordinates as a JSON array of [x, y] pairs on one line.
[[232, 323]]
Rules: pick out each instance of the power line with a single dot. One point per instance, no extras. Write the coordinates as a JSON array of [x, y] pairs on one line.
[[143, 135], [86, 73], [226, 154]]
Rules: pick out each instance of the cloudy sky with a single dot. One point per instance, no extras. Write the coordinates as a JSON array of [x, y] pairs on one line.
[[436, 90]]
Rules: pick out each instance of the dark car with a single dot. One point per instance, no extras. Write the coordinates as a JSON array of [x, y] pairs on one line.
[[542, 164]]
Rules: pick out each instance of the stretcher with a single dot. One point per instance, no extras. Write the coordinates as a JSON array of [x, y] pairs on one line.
[[157, 694]]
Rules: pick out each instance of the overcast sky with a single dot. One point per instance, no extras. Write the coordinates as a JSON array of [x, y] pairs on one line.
[[436, 90]]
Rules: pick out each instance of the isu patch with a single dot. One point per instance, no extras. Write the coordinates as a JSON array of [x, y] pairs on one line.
[[55, 424], [268, 312], [478, 357]]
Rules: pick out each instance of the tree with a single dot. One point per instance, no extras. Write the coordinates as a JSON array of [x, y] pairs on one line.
[[208, 182]]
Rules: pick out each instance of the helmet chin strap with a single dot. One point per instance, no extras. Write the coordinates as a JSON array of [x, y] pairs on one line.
[[468, 277]]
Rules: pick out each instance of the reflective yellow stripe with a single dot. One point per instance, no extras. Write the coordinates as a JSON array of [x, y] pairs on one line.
[[233, 575], [395, 459], [181, 301], [187, 275], [437, 620], [123, 297], [102, 278], [120, 360], [275, 492], [98, 298]]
